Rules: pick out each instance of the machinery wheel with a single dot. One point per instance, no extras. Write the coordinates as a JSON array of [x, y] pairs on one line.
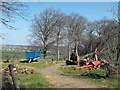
[[68, 62], [30, 60]]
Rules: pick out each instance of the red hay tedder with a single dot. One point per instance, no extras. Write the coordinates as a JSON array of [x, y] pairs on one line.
[[95, 63], [88, 64]]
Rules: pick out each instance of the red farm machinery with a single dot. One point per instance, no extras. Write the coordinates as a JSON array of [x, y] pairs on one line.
[[87, 63]]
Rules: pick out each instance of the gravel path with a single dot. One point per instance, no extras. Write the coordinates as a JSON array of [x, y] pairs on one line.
[[60, 81]]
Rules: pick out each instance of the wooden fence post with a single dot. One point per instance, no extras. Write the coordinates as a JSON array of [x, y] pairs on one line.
[[15, 84]]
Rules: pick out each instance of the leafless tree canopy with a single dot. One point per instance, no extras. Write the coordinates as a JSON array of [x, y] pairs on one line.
[[10, 10], [52, 26], [46, 28]]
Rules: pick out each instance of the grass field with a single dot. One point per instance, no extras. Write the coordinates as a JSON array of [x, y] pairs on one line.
[[37, 81], [34, 80], [111, 82], [17, 55], [13, 54]]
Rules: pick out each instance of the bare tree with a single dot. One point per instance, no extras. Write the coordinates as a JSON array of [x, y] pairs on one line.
[[116, 16], [78, 28], [59, 30], [118, 44], [106, 31], [44, 27], [75, 26], [70, 19], [90, 38], [10, 10]]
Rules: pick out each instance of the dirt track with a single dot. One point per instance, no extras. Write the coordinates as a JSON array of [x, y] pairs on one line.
[[60, 81]]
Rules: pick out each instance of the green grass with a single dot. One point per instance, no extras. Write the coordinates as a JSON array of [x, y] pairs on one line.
[[70, 70], [32, 81], [41, 64], [12, 54], [36, 65], [16, 55], [111, 82]]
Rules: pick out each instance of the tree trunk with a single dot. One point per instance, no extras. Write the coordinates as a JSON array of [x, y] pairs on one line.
[[91, 48], [78, 59], [45, 49], [15, 83], [69, 45], [76, 50], [69, 50], [58, 52], [45, 54], [58, 48]]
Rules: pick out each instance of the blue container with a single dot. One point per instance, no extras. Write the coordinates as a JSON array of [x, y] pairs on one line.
[[32, 55]]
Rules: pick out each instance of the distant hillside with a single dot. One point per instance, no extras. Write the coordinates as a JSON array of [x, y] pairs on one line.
[[18, 47], [53, 50]]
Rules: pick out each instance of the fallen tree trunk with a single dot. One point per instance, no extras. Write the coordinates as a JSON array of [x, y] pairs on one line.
[[15, 84]]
